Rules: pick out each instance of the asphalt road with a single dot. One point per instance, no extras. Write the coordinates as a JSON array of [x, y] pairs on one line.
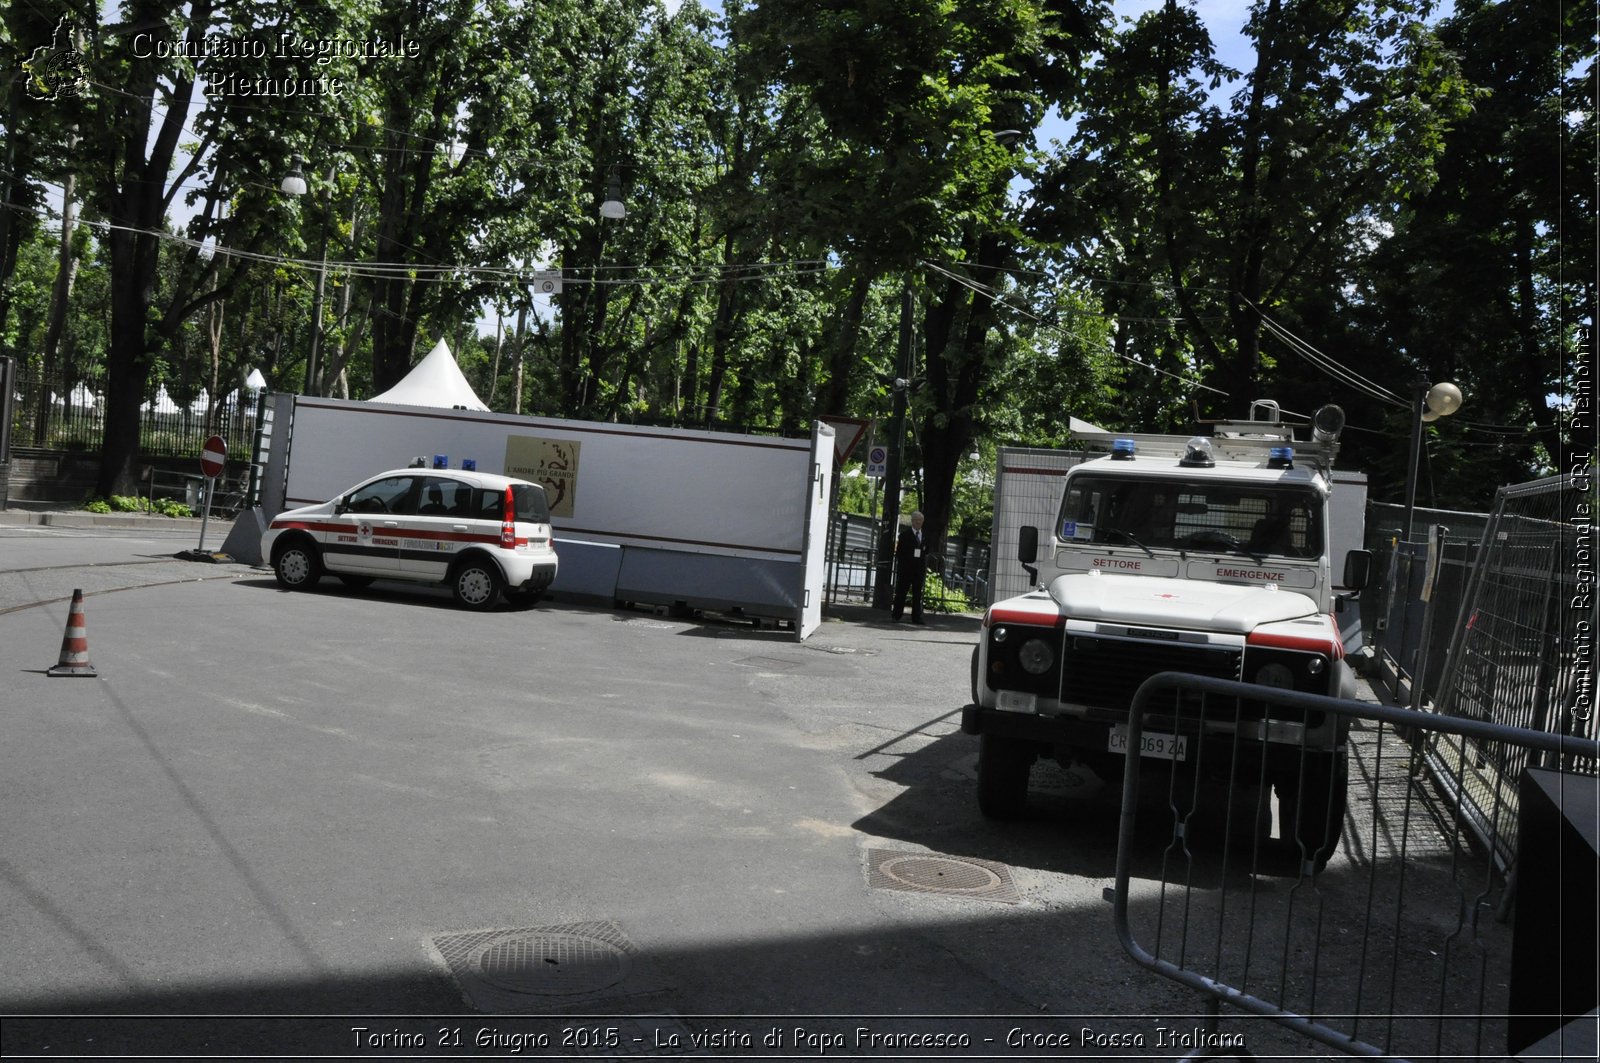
[[334, 812]]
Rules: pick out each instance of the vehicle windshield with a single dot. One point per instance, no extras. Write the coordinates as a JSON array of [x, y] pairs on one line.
[[1257, 520]]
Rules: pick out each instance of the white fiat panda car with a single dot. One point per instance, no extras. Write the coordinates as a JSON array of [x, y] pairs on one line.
[[479, 533]]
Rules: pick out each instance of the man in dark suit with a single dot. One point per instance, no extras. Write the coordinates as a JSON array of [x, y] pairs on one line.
[[910, 569]]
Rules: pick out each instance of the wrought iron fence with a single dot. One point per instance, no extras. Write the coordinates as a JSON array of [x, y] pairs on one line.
[[960, 584], [67, 412], [1389, 946]]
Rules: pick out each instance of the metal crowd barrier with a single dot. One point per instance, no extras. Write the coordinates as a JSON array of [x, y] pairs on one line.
[[1391, 948]]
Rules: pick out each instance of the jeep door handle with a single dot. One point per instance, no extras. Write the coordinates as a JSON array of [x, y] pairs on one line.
[[458, 527], [391, 524]]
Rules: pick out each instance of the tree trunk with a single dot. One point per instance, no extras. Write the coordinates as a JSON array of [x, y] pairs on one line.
[[60, 296], [835, 397]]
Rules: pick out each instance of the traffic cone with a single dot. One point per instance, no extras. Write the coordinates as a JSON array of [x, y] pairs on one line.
[[75, 643]]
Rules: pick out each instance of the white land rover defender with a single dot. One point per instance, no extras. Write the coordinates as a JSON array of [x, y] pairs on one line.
[[1203, 555]]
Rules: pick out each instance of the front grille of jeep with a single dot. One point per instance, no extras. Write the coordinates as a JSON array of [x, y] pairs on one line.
[[1105, 672]]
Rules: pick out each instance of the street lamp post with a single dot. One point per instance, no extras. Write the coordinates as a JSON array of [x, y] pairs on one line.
[[1432, 403], [294, 184]]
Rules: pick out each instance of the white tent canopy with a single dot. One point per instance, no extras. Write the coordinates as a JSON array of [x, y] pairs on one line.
[[163, 402], [434, 381]]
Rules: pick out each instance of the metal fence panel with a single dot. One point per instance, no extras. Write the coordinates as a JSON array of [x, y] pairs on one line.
[[1518, 649], [1392, 948], [1027, 492]]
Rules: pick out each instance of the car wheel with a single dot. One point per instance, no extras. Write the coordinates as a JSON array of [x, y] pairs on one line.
[[355, 583], [477, 584], [1003, 767], [298, 565]]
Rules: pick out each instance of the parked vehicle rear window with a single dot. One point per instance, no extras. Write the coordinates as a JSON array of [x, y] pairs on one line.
[[528, 500], [531, 504]]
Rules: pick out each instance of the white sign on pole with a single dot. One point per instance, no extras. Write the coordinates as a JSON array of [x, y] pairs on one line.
[[878, 462]]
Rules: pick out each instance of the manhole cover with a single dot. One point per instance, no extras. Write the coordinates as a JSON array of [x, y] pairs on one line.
[[934, 873], [535, 967], [550, 964]]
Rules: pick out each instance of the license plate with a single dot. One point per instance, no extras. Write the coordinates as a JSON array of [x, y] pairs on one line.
[[1160, 746]]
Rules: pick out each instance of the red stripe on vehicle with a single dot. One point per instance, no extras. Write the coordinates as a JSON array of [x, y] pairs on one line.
[[1022, 616], [1306, 643], [308, 525]]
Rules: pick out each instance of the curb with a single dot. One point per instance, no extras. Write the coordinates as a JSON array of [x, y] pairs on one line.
[[83, 519]]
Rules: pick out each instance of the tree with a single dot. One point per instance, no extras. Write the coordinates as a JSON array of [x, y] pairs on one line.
[[1471, 286], [133, 172], [901, 104], [1228, 210]]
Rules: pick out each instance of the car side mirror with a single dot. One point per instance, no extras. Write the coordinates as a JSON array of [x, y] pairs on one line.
[[1028, 550], [341, 504], [1357, 569], [1028, 545]]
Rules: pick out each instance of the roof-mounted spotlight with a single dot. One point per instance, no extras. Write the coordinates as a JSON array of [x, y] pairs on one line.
[[1327, 423]]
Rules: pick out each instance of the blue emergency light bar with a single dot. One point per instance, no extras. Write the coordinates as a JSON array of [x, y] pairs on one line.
[[441, 461], [469, 464], [1123, 449], [1280, 458]]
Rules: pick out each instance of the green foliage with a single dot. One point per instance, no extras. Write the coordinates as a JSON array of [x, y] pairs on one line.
[[858, 492], [938, 598], [134, 504]]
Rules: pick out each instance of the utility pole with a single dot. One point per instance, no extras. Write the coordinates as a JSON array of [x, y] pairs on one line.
[[883, 586]]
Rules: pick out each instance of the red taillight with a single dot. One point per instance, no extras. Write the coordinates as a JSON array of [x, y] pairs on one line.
[[508, 522]]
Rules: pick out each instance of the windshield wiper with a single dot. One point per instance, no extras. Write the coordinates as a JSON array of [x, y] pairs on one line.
[[1218, 536], [1131, 539]]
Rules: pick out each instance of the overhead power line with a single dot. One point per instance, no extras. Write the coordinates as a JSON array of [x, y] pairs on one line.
[[456, 272], [998, 299]]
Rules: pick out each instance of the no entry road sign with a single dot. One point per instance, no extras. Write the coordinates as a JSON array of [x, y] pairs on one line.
[[212, 457]]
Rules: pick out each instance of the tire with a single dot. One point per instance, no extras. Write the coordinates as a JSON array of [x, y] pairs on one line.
[[1003, 766], [476, 584], [355, 583], [297, 565], [1311, 808]]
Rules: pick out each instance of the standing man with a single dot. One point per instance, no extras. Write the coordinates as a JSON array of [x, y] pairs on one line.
[[910, 569]]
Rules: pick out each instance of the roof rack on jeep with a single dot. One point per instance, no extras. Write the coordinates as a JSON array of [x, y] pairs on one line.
[[1253, 441]]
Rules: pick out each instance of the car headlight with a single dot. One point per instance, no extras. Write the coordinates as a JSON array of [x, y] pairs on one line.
[[1275, 675], [1036, 657]]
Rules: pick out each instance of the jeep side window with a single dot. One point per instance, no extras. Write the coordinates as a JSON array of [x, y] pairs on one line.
[[432, 496], [492, 505], [388, 495]]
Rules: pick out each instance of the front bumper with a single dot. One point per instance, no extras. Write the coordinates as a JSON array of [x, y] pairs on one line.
[[1087, 738]]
